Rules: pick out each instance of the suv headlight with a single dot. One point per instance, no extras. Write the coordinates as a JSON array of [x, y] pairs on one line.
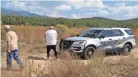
[[79, 43]]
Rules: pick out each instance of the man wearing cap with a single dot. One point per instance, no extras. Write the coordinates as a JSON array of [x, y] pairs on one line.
[[12, 48], [51, 40]]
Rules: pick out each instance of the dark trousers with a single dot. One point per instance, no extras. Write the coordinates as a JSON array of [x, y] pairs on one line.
[[14, 54], [49, 47]]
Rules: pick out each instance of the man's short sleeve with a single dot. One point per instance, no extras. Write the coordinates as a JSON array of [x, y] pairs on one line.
[[8, 37]]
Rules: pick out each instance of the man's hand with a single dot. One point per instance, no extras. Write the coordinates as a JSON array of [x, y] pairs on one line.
[[8, 51]]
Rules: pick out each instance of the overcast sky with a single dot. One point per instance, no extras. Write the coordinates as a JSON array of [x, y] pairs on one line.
[[115, 9]]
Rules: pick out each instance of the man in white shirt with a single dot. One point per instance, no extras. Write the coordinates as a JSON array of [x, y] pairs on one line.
[[51, 40]]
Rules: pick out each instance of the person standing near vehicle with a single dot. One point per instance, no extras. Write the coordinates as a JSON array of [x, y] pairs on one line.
[[51, 41], [12, 48]]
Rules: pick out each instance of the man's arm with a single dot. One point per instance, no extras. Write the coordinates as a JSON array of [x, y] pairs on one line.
[[56, 33], [8, 46], [8, 42]]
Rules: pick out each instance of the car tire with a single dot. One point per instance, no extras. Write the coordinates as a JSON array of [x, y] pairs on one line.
[[88, 52], [127, 48]]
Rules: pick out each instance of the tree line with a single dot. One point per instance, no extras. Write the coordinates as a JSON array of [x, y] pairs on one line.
[[89, 22]]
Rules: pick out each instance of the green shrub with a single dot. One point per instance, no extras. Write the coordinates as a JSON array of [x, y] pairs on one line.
[[62, 30], [134, 27]]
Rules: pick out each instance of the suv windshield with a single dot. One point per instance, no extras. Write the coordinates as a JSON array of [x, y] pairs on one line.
[[91, 33]]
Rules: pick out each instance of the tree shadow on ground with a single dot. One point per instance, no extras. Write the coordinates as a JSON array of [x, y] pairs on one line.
[[36, 58], [5, 69]]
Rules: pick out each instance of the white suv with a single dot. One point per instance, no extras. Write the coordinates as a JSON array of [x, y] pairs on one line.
[[110, 40]]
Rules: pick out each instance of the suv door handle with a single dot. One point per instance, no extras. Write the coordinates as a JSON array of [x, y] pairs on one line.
[[110, 39]]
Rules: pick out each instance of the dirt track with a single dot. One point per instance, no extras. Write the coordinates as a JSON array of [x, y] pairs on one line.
[[38, 59], [37, 62], [115, 58]]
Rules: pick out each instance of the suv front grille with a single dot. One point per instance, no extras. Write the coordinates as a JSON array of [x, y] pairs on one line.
[[66, 44]]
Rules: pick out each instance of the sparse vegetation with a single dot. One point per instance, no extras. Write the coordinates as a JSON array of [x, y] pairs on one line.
[[99, 66], [32, 42], [62, 30], [31, 27], [85, 22]]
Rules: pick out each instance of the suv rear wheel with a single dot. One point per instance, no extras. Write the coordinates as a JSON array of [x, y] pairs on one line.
[[89, 52], [127, 48]]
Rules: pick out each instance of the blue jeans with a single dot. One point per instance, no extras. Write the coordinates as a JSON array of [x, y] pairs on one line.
[[14, 54]]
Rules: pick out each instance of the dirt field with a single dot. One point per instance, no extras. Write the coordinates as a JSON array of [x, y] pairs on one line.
[[35, 63], [32, 53], [36, 66]]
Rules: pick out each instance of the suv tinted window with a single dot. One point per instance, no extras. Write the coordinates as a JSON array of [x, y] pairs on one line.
[[91, 33], [107, 33], [129, 32], [117, 33]]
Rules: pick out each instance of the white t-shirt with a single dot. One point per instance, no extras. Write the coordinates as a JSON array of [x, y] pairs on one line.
[[51, 37]]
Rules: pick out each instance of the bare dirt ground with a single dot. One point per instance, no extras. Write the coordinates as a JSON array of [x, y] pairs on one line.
[[36, 60], [33, 55], [32, 52], [40, 58]]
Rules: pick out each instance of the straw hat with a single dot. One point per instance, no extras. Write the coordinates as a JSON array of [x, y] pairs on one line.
[[51, 27], [7, 26]]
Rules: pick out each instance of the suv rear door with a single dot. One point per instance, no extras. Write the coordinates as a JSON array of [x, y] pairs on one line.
[[111, 38], [118, 37]]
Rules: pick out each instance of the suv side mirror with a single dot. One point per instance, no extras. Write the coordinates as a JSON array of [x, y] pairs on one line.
[[100, 37]]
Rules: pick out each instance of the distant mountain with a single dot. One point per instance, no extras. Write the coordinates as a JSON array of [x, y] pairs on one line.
[[9, 12]]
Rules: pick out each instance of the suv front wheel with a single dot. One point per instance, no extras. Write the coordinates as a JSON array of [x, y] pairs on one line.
[[127, 48], [88, 52]]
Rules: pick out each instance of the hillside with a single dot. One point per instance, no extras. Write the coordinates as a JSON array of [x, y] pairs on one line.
[[90, 22], [131, 22], [13, 17], [9, 12]]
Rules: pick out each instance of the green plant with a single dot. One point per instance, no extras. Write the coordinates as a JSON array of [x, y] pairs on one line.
[[62, 30]]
